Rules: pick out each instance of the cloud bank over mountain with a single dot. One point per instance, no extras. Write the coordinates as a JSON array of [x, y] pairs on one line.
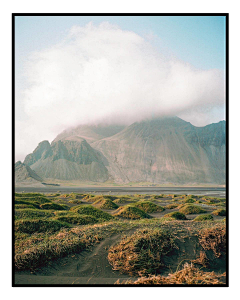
[[106, 74]]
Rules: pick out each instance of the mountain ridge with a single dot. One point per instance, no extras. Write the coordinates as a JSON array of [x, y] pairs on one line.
[[161, 150]]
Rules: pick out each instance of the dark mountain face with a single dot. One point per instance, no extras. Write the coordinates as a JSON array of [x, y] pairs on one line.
[[163, 150], [24, 173]]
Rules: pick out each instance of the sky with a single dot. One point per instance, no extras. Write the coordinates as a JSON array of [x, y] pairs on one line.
[[118, 69]]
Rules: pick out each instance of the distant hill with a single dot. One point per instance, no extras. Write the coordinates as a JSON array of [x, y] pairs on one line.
[[162, 150], [24, 173]]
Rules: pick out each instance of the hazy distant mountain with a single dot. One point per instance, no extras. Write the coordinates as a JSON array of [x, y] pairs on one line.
[[163, 150], [24, 173], [166, 150], [69, 159], [90, 133]]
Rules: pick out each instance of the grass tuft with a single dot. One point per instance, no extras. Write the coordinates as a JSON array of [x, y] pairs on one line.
[[142, 252]]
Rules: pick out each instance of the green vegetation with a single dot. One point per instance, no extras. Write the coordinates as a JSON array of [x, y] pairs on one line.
[[148, 206], [192, 209], [142, 252], [176, 215], [46, 230], [53, 206], [105, 204], [29, 213], [219, 212], [92, 211], [171, 206], [130, 212], [76, 219], [38, 225], [205, 217], [75, 201], [190, 200]]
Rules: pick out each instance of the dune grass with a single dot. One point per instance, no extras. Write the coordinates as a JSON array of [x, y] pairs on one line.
[[171, 206], [189, 275], [141, 253], [105, 204], [148, 206], [38, 225], [219, 212], [191, 209], [205, 217], [214, 238], [54, 206], [29, 213], [92, 211], [76, 219], [176, 215], [130, 212]]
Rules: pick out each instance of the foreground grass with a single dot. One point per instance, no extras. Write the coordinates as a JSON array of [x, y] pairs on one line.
[[189, 275], [45, 231]]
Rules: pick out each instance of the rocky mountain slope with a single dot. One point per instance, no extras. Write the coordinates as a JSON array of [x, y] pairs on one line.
[[167, 150], [69, 159], [162, 150], [24, 173]]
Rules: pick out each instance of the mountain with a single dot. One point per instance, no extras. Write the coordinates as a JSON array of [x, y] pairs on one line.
[[69, 159], [24, 173], [162, 150], [166, 150], [90, 133]]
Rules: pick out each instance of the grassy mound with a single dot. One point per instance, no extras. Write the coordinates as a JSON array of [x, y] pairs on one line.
[[192, 209], [148, 206], [24, 206], [189, 200], [75, 201], [105, 204], [53, 206], [28, 194], [130, 212], [188, 275], [176, 215], [35, 199], [38, 225], [142, 252], [205, 217], [76, 219], [219, 212], [171, 206], [32, 214], [92, 211], [122, 200]]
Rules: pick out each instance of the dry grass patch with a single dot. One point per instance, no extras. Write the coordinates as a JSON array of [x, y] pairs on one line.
[[214, 239], [142, 252], [189, 275]]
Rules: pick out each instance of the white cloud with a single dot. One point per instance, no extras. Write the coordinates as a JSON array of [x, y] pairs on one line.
[[102, 73]]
